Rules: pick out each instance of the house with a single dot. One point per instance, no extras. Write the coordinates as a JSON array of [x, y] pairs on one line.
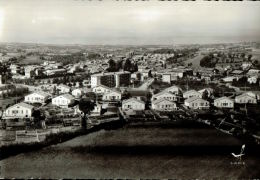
[[252, 80], [37, 97], [112, 96], [229, 79], [253, 72], [245, 98], [224, 102], [101, 89], [165, 95], [164, 105], [77, 92], [174, 90], [192, 93], [196, 103], [246, 65], [63, 100], [133, 104], [20, 110], [63, 89], [166, 78], [254, 94]]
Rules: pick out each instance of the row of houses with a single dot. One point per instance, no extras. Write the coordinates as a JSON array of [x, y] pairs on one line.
[[167, 100]]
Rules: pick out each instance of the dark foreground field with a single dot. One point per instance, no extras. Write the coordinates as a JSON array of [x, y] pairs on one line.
[[137, 153]]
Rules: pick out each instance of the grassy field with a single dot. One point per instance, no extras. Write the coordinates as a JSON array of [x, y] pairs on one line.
[[31, 60], [137, 153]]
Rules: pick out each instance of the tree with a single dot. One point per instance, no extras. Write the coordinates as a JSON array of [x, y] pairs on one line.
[[86, 106], [112, 66], [205, 95], [127, 65], [80, 84]]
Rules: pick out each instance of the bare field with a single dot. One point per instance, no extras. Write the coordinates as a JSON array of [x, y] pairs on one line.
[[137, 153]]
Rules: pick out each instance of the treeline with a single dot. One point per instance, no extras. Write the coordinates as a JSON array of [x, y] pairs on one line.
[[184, 52]]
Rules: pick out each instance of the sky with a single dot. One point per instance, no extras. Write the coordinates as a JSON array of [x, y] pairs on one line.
[[130, 23]]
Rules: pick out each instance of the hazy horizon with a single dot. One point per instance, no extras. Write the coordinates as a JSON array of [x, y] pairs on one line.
[[128, 23]]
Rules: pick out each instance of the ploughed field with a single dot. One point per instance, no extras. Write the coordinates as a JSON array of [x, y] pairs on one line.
[[137, 152]]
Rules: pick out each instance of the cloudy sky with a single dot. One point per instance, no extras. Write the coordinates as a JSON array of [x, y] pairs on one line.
[[113, 22]]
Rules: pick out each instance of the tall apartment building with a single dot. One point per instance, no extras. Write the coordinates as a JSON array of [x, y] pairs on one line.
[[111, 79]]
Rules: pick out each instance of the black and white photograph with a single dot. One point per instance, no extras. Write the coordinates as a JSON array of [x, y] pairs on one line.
[[129, 89]]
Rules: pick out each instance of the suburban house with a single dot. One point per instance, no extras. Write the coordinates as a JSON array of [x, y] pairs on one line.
[[174, 90], [63, 100], [63, 89], [254, 94], [165, 95], [224, 102], [166, 78], [37, 97], [164, 105], [192, 93], [112, 96], [77, 92], [229, 79], [245, 98], [133, 104], [196, 103], [101, 89], [252, 79], [20, 110]]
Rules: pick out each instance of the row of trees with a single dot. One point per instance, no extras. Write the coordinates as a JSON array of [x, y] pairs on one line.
[[126, 65], [15, 92]]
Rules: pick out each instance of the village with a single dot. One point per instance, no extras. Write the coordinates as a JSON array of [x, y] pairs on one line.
[[68, 91]]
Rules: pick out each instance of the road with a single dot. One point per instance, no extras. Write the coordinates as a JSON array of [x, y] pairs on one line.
[[145, 85], [195, 61]]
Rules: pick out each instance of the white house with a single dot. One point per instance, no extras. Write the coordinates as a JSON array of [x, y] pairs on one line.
[[20, 110], [112, 96], [133, 104], [165, 95], [77, 92], [101, 89], [63, 100], [37, 97], [174, 90], [254, 94], [63, 89], [229, 78], [192, 93], [245, 98], [164, 105], [196, 103], [224, 102], [166, 78], [252, 79]]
